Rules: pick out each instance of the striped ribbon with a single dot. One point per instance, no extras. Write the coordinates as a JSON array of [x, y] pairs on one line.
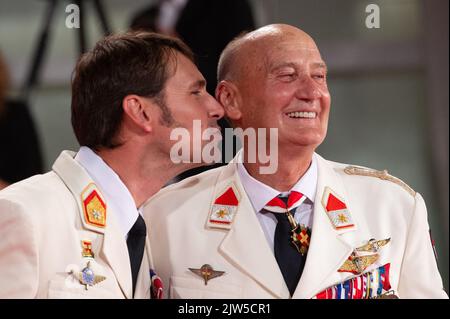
[[367, 285]]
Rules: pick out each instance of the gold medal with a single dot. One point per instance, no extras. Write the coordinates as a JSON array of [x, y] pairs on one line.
[[87, 249]]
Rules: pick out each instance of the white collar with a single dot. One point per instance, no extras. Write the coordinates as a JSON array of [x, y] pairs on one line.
[[260, 194], [117, 195]]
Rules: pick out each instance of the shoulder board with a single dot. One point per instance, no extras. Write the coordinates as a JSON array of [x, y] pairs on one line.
[[384, 175]]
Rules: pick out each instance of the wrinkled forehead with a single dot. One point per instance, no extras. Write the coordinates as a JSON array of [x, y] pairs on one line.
[[291, 51], [278, 49]]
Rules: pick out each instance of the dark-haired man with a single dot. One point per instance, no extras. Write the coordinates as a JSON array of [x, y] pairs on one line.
[[77, 231]]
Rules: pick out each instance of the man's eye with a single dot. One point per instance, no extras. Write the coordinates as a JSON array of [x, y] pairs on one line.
[[288, 76], [319, 76], [198, 92]]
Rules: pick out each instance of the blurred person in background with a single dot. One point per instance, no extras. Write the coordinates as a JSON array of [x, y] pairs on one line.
[[20, 152]]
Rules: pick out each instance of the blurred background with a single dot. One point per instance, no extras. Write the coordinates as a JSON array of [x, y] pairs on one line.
[[389, 85]]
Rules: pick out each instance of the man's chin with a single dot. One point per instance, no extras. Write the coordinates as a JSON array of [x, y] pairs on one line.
[[303, 140], [300, 145]]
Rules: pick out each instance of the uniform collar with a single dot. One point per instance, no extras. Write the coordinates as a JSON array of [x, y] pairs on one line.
[[260, 194], [110, 184]]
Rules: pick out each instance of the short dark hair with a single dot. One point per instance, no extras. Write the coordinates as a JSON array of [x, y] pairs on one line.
[[119, 65]]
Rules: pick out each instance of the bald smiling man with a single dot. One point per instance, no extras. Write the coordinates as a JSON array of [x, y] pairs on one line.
[[312, 229]]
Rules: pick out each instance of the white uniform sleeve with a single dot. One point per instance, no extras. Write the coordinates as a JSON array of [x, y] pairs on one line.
[[18, 253], [419, 276]]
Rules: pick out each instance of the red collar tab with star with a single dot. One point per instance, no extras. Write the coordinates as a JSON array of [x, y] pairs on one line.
[[224, 209], [337, 210]]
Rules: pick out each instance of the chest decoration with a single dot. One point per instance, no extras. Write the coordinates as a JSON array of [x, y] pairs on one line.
[[374, 284], [206, 272], [87, 276], [364, 256], [86, 246]]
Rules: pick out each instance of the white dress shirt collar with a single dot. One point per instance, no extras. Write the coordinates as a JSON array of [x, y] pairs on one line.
[[117, 194], [260, 194]]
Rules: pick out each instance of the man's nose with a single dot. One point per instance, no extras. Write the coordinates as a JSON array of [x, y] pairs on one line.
[[215, 110], [308, 89]]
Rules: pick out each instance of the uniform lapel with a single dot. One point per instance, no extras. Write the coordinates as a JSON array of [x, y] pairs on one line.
[[144, 282], [114, 249], [245, 244], [329, 248]]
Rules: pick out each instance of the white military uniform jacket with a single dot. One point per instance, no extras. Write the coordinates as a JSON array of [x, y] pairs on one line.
[[44, 221], [191, 228]]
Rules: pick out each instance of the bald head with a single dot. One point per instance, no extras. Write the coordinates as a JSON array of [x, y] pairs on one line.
[[240, 55]]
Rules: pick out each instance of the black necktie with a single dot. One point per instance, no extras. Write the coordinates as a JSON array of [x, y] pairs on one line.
[[290, 261], [136, 245]]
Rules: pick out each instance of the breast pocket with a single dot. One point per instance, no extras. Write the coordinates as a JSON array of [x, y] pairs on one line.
[[193, 288]]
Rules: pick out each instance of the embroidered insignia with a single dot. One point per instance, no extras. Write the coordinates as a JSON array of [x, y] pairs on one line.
[[223, 215], [207, 272], [357, 264], [337, 210], [86, 245], [373, 245], [224, 208], [368, 285], [87, 277], [94, 207], [157, 286], [384, 175]]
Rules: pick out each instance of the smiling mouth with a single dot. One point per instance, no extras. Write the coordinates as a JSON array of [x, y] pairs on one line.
[[302, 115]]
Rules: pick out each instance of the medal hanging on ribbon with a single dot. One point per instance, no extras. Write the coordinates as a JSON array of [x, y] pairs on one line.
[[301, 235]]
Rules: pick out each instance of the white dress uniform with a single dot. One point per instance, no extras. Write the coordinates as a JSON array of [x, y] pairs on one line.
[[210, 243], [61, 238]]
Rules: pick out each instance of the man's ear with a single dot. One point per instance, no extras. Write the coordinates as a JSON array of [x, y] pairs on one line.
[[227, 95], [138, 110]]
